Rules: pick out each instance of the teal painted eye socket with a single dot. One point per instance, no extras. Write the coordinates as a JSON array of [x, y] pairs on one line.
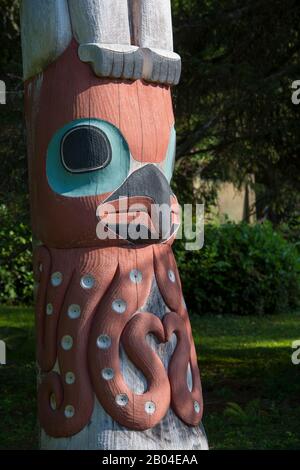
[[87, 157], [170, 158]]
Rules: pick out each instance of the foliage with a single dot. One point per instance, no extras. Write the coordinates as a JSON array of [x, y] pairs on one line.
[[242, 269], [251, 388], [13, 172], [234, 118], [233, 106], [291, 230], [16, 278], [15, 239], [9, 33]]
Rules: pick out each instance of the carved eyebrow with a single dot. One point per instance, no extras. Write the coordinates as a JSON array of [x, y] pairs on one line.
[[85, 148]]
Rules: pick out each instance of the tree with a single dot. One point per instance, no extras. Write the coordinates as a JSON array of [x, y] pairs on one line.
[[234, 103], [15, 240], [233, 107]]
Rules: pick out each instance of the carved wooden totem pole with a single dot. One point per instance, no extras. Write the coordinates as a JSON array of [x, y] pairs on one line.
[[116, 357]]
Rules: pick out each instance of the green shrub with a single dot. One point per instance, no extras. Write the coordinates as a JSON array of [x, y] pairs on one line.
[[16, 278], [291, 230], [242, 269]]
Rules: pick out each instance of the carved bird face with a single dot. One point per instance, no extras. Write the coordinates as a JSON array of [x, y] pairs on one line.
[[99, 143], [90, 157]]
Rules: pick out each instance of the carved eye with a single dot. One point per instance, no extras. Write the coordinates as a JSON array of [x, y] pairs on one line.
[[85, 148]]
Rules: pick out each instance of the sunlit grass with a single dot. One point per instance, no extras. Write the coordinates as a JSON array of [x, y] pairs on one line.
[[16, 317], [251, 388]]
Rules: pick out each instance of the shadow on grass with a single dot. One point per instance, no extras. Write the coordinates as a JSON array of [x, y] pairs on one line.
[[251, 398], [251, 388], [18, 429]]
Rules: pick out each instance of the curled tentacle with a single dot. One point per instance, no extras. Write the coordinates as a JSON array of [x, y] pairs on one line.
[[59, 280], [70, 390], [197, 387], [42, 268], [186, 404], [167, 276], [66, 398], [126, 296], [169, 284], [55, 270], [95, 297], [139, 412], [151, 407]]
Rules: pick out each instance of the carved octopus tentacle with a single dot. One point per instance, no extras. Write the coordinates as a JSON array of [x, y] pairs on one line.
[[169, 284], [127, 294], [95, 299], [61, 265], [151, 407], [41, 268], [185, 403], [158, 393], [197, 387], [167, 276], [66, 400], [55, 274]]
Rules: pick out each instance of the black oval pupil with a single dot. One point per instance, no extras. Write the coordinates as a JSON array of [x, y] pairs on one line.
[[85, 148]]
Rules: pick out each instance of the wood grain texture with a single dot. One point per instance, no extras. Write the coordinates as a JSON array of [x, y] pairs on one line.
[[133, 107], [88, 290], [132, 43], [152, 23], [89, 304], [113, 60], [103, 433], [161, 66], [118, 42], [65, 310], [100, 21], [46, 33]]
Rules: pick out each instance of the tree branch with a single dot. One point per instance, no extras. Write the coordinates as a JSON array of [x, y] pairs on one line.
[[183, 149]]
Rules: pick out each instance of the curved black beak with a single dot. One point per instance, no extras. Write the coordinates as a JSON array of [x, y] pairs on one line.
[[149, 205]]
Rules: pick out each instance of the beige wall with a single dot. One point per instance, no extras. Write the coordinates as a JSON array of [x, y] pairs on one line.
[[236, 204]]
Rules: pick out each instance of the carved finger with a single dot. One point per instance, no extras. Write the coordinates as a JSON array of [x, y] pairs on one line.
[[46, 33], [100, 21]]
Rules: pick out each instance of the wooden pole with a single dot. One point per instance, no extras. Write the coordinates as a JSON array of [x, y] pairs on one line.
[[117, 361]]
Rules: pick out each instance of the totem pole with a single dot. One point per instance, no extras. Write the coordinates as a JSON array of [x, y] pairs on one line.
[[116, 358]]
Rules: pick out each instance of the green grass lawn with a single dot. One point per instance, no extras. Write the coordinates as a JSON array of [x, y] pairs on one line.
[[251, 388]]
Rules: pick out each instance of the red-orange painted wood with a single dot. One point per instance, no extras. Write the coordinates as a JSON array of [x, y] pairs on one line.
[[88, 303], [73, 323]]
